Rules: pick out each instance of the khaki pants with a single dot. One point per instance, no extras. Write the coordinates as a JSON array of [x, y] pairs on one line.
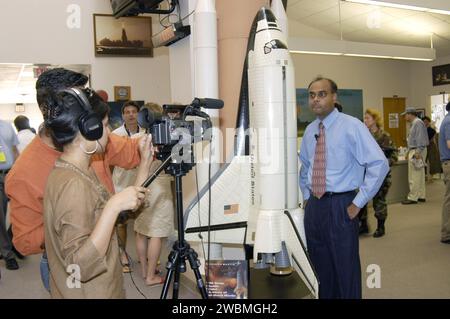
[[416, 177], [445, 231]]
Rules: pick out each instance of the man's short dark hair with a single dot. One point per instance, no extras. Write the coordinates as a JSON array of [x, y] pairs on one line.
[[333, 84], [130, 103], [426, 118], [55, 80], [448, 107], [21, 122]]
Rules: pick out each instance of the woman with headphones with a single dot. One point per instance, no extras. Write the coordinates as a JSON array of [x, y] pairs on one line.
[[79, 213]]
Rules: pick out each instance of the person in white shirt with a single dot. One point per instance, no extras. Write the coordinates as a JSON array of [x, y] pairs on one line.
[[25, 132], [123, 178]]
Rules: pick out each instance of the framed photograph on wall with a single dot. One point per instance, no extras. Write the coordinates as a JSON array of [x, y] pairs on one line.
[[122, 93], [126, 36], [441, 75]]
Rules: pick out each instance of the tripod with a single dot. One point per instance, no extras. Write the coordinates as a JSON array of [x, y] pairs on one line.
[[181, 249]]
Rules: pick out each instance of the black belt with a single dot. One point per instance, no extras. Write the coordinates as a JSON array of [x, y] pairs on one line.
[[329, 194]]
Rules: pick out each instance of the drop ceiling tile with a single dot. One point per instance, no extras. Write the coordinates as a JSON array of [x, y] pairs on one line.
[[398, 13], [424, 18], [442, 17], [441, 28], [349, 9], [346, 28], [299, 13], [292, 3]]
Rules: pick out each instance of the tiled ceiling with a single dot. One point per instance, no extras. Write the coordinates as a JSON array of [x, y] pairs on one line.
[[18, 80], [368, 23]]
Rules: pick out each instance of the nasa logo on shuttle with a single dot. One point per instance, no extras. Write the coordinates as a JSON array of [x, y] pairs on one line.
[[274, 44]]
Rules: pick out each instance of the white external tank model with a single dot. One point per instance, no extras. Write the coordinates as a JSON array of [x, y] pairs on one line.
[[255, 194]]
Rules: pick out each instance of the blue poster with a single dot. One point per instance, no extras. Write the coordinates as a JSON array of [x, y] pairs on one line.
[[351, 100]]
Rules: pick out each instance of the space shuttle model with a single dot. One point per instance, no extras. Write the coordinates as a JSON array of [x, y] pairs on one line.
[[255, 195]]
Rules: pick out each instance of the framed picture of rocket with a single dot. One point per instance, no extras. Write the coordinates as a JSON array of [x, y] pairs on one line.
[[441, 74], [123, 37]]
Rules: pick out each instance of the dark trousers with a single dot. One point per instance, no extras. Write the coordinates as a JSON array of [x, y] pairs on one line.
[[5, 241], [333, 245]]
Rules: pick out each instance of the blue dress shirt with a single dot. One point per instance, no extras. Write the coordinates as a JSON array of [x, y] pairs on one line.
[[444, 136], [354, 160]]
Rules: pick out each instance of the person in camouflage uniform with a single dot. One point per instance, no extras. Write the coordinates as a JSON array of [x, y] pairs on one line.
[[372, 119]]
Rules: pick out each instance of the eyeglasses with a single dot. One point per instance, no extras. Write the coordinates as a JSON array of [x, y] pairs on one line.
[[320, 94]]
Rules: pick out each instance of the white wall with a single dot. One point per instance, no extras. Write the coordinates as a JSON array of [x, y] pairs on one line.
[[421, 83], [36, 31], [377, 78]]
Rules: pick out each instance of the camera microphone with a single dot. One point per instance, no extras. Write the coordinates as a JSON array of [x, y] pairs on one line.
[[207, 103]]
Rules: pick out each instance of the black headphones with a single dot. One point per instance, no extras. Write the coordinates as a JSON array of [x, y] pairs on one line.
[[89, 123]]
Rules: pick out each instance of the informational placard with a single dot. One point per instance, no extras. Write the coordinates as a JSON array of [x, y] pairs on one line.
[[393, 120], [227, 279]]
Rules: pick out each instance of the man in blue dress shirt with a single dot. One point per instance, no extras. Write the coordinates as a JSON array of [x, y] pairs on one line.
[[342, 169], [444, 149]]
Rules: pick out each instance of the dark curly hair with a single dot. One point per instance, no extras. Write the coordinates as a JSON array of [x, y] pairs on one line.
[[62, 122], [56, 79]]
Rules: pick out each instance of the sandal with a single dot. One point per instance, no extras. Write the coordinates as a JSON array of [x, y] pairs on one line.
[[126, 268]]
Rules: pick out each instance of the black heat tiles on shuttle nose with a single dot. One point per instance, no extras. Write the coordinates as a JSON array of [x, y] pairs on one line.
[[266, 14]]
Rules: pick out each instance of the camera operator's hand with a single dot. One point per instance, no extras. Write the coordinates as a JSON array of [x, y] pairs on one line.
[[146, 149], [129, 199]]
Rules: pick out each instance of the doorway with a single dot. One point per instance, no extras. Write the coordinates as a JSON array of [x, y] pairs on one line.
[[438, 112], [394, 123]]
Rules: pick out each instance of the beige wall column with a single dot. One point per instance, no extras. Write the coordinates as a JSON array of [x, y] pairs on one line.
[[235, 18]]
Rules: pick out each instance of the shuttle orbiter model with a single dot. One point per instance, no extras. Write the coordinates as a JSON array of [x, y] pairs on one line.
[[255, 194]]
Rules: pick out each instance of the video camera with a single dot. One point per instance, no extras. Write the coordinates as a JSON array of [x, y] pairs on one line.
[[171, 127]]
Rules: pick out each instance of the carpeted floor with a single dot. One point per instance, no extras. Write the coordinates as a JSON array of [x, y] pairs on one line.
[[412, 261]]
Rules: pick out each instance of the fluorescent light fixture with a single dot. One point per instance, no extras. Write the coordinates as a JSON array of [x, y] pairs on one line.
[[368, 56], [400, 6], [312, 52], [412, 59], [360, 49]]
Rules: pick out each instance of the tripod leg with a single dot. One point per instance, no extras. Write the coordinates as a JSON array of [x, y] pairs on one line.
[[172, 265], [195, 263], [165, 288], [200, 284], [176, 280]]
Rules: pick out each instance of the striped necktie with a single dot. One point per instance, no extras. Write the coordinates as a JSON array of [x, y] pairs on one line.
[[319, 166]]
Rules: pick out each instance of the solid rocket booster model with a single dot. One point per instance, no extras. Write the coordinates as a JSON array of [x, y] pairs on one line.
[[256, 193]]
